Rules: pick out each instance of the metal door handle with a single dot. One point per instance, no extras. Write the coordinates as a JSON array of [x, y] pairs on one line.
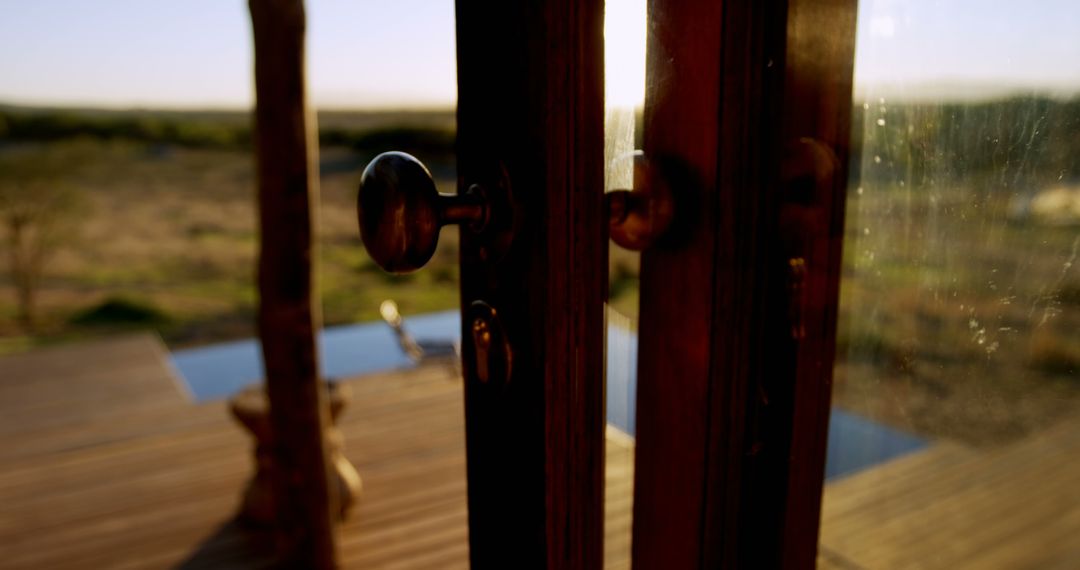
[[639, 216], [401, 212]]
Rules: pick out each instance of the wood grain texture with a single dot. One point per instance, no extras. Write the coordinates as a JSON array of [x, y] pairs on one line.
[[530, 106], [818, 71], [1017, 506], [164, 495], [732, 405], [681, 122], [289, 311]]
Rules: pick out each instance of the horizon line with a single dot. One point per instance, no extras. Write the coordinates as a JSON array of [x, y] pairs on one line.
[[210, 107], [944, 92]]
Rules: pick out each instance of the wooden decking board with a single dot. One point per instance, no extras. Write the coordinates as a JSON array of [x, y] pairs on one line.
[[400, 507], [1058, 534], [453, 556], [157, 486], [75, 373], [141, 422], [113, 456], [1046, 558], [907, 493], [395, 516], [77, 514], [104, 542], [435, 423], [977, 520], [90, 393], [420, 535], [89, 470], [140, 479], [851, 491], [911, 496], [155, 521], [401, 460], [1021, 530], [136, 476], [41, 366], [386, 407], [435, 432], [929, 491], [390, 517], [1010, 507]]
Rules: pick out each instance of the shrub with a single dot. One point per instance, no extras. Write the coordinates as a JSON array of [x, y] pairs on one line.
[[115, 311], [1054, 355]]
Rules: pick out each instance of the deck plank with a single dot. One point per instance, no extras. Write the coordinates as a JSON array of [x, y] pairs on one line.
[[1016, 506], [136, 476], [144, 478]]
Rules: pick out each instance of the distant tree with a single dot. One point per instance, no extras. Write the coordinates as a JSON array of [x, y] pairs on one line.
[[38, 213]]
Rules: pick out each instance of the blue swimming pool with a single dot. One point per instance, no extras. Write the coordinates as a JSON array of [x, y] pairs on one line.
[[218, 371]]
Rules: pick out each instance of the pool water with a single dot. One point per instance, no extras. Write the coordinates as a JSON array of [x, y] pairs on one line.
[[218, 371]]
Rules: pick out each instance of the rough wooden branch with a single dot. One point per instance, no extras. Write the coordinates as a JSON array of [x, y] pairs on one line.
[[289, 314]]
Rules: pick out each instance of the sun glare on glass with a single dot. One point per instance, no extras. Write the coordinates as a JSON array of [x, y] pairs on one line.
[[624, 53]]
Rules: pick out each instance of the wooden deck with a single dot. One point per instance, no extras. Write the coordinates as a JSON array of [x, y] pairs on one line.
[[104, 463], [952, 507]]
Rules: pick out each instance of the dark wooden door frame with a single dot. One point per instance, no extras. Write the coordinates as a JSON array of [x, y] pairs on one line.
[[530, 110], [747, 110]]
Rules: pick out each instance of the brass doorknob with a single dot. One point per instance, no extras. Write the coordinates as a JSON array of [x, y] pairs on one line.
[[639, 216], [401, 212]]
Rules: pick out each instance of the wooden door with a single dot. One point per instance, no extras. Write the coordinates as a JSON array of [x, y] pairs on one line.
[[530, 117], [746, 109], [746, 114]]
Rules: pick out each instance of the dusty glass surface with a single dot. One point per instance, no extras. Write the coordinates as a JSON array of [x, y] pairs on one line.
[[959, 333]]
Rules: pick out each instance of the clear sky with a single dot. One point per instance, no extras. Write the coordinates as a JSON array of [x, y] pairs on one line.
[[197, 53], [949, 47], [400, 53]]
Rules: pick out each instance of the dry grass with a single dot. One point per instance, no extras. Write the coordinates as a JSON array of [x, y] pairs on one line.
[[176, 229], [955, 323], [952, 322]]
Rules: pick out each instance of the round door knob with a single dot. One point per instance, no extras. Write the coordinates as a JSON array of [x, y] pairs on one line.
[[401, 212], [639, 216]]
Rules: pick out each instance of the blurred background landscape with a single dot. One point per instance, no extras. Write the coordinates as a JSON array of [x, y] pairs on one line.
[[960, 295], [126, 205], [960, 292], [137, 219]]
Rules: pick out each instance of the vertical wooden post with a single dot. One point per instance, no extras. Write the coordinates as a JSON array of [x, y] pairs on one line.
[[289, 314]]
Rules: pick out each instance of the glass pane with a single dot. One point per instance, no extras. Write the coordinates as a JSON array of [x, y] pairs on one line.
[[955, 434], [624, 94]]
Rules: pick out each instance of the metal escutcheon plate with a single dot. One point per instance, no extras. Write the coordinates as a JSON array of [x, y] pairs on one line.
[[488, 353]]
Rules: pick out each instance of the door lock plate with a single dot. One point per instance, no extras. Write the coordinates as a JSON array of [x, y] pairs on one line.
[[490, 355]]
